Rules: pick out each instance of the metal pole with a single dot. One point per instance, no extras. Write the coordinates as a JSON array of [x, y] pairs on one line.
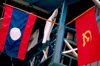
[[60, 34]]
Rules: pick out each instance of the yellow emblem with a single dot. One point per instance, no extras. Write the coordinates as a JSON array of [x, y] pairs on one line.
[[87, 38]]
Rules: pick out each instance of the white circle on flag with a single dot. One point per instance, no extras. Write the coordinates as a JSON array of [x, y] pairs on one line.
[[15, 33]]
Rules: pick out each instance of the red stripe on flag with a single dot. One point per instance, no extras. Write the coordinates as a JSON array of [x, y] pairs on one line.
[[26, 37], [5, 26]]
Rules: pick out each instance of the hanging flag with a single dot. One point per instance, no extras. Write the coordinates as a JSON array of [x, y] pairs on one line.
[[15, 32], [87, 38], [49, 26]]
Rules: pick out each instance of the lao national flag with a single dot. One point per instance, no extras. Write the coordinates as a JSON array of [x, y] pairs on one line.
[[87, 34], [15, 32]]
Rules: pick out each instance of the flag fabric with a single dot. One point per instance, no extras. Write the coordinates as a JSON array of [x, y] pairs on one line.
[[15, 32], [87, 34], [49, 26]]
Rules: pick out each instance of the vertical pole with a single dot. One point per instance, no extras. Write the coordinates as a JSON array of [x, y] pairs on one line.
[[98, 18], [60, 34], [70, 61]]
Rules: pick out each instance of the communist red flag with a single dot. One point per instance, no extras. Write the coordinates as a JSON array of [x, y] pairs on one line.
[[87, 34]]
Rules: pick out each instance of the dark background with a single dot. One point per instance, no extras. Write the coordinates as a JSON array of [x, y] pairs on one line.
[[74, 10]]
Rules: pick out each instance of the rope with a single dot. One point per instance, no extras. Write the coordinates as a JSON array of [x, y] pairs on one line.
[[49, 20], [31, 13], [79, 16], [1, 6]]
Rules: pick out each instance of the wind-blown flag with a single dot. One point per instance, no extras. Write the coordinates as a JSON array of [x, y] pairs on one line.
[[15, 32], [87, 34]]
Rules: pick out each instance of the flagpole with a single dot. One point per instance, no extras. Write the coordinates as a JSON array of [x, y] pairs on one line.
[[30, 13], [79, 16]]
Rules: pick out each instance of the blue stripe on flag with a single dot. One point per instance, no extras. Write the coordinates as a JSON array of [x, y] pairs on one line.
[[18, 20]]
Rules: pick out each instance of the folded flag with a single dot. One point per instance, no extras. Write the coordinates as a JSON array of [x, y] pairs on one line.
[[15, 32], [49, 26], [87, 34]]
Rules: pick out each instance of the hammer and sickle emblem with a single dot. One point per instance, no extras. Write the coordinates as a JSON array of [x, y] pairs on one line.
[[87, 38]]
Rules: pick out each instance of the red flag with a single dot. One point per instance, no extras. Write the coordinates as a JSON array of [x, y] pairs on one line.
[[87, 34]]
